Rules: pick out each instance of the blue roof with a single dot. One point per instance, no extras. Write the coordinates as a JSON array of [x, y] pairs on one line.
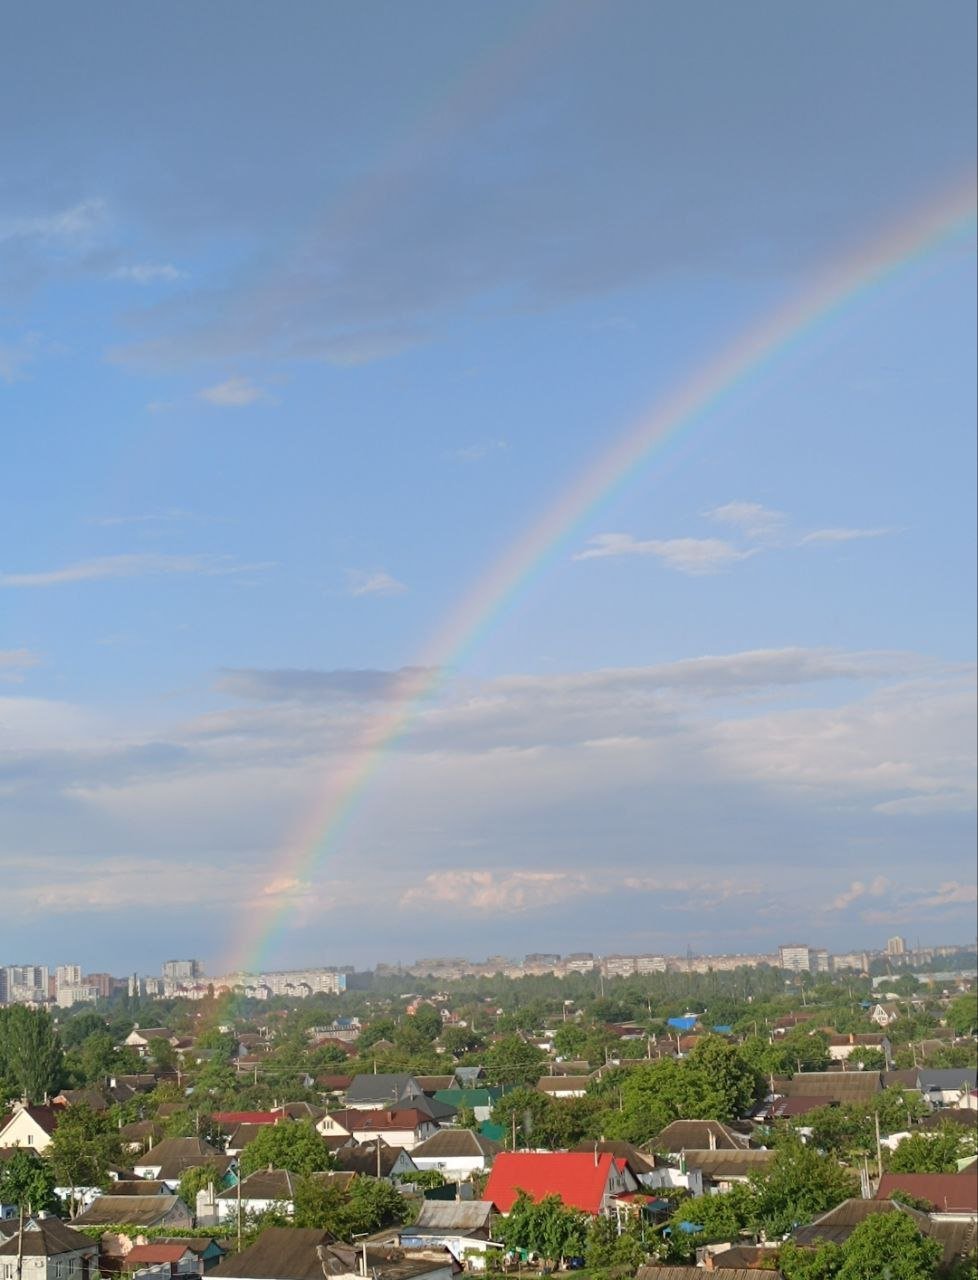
[[682, 1024], [723, 1029], [690, 1227]]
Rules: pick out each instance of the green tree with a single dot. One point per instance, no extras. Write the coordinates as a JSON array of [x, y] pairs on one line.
[[935, 1152], [97, 1056], [548, 1229], [890, 1245], [33, 1053], [76, 1030], [292, 1144], [460, 1040], [371, 1204], [962, 1014], [512, 1060], [198, 1179], [83, 1147], [799, 1184], [428, 1021], [608, 1251], [716, 1217], [524, 1108], [27, 1182], [381, 1029], [717, 1083], [162, 1054]]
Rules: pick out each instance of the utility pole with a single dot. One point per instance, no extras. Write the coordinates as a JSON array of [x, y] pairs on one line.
[[879, 1146], [238, 1202]]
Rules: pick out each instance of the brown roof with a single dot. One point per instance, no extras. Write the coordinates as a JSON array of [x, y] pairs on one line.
[[431, 1084], [362, 1158], [138, 1187], [728, 1164], [354, 1120], [621, 1150], [286, 1253], [448, 1143], [840, 1086], [174, 1155], [947, 1192], [696, 1273], [133, 1211], [685, 1135], [839, 1223], [563, 1084], [264, 1184]]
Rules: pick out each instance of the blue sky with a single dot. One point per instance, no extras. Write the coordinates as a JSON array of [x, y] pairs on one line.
[[306, 314]]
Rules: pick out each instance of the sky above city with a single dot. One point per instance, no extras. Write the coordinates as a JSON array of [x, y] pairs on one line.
[[309, 314]]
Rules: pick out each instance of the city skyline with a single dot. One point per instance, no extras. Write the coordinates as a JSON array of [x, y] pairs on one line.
[[516, 470]]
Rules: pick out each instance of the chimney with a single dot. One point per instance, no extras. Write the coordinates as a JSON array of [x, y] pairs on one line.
[[595, 1155], [712, 1140]]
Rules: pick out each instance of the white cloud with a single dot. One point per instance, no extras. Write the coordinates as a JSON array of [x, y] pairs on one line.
[[476, 452], [752, 519], [149, 272], [376, 583], [235, 393], [124, 566], [77, 222], [875, 889], [843, 535], [686, 555], [506, 892]]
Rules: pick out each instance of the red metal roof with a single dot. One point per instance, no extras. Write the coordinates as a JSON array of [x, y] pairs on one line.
[[247, 1117], [945, 1191], [155, 1253], [575, 1176]]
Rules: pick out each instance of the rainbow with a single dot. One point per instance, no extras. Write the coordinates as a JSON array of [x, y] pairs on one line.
[[950, 217]]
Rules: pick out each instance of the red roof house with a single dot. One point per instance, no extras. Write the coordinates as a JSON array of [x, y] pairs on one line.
[[229, 1119], [947, 1192], [177, 1257], [583, 1180]]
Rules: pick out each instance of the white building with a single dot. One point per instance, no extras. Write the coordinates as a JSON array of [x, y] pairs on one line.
[[796, 958]]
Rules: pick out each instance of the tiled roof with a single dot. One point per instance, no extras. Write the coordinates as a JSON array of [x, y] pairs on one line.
[[228, 1118], [135, 1211], [355, 1121], [454, 1143], [155, 1253], [453, 1215], [46, 1238], [577, 1178], [264, 1184], [621, 1150], [685, 1135]]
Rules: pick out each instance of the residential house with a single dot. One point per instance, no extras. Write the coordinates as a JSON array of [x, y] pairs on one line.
[[260, 1191], [837, 1225], [462, 1227], [858, 1087], [140, 1135], [563, 1086], [588, 1182], [641, 1165], [294, 1253], [406, 1127], [382, 1089], [28, 1126], [51, 1251], [944, 1088], [140, 1038], [136, 1212], [170, 1159], [698, 1135], [456, 1153], [696, 1273], [375, 1160], [949, 1193], [162, 1261], [842, 1047], [720, 1170]]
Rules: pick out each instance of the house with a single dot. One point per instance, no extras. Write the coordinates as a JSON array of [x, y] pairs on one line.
[[136, 1211], [137, 1187], [857, 1087], [139, 1135], [374, 1160], [885, 1014], [140, 1038], [435, 1084], [479, 1100], [456, 1153], [838, 1224], [460, 1226], [170, 1159], [163, 1261], [720, 1170], [294, 1253], [949, 1193], [260, 1191], [842, 1047], [405, 1127], [94, 1099], [588, 1182], [51, 1251], [28, 1126], [563, 1086], [945, 1088], [381, 1090], [698, 1135]]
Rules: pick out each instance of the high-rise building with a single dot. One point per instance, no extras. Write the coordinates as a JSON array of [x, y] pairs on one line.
[[25, 984], [822, 960], [796, 957], [182, 970], [896, 947]]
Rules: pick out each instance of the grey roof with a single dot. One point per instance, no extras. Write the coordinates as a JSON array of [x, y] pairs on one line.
[[563, 1084], [48, 1237], [467, 1076], [382, 1089], [464, 1216], [133, 1211], [361, 1157], [839, 1223], [449, 1143], [950, 1115], [621, 1150], [947, 1078], [279, 1253], [843, 1086], [138, 1187]]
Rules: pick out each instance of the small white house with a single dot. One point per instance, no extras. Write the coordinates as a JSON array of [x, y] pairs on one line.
[[456, 1153]]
